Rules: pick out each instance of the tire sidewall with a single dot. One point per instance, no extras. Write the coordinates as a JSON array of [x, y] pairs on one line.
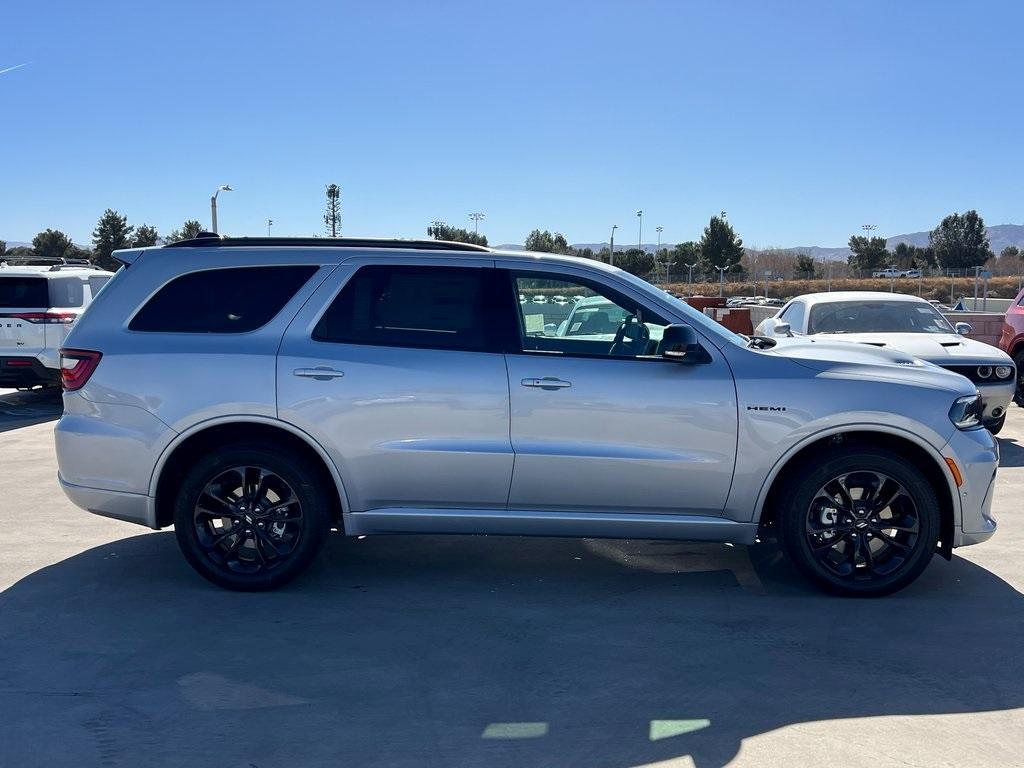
[[307, 487], [801, 491]]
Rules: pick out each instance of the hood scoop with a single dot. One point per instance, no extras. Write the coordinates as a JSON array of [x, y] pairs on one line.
[[951, 343], [874, 343]]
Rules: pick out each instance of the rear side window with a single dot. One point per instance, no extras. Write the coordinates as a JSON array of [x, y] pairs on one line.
[[221, 300], [23, 293], [66, 292], [433, 307]]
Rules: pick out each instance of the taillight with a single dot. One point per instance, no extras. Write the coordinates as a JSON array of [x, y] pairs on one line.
[[76, 366], [54, 318]]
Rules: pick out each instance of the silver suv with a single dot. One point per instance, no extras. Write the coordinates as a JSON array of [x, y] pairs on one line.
[[257, 392]]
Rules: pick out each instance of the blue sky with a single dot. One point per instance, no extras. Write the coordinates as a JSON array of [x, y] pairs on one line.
[[803, 120]]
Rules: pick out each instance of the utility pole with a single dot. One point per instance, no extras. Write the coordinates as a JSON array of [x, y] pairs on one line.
[[611, 246], [476, 221]]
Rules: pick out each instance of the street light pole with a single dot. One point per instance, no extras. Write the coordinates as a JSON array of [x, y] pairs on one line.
[[213, 205], [476, 221], [721, 280], [611, 246], [270, 223], [689, 280], [640, 232], [657, 251]]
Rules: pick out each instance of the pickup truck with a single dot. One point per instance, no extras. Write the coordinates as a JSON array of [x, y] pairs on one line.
[[887, 272]]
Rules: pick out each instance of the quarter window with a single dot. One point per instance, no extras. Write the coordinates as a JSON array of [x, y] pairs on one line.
[[411, 306], [559, 316], [233, 300]]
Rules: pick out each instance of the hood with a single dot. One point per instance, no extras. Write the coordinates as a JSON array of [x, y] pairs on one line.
[[865, 361], [938, 348]]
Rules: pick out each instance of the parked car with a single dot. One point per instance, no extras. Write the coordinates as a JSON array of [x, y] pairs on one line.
[[1012, 342], [912, 273], [257, 392], [909, 324], [40, 299], [887, 272]]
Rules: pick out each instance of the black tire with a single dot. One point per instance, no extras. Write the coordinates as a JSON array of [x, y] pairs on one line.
[[245, 537], [996, 425], [1018, 361], [900, 538]]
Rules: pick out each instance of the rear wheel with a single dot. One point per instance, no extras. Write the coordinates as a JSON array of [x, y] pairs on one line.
[[1018, 361], [861, 521], [251, 518]]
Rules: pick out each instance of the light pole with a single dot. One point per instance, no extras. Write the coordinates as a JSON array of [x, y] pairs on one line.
[[689, 281], [611, 246], [721, 280], [270, 223], [657, 251], [476, 221], [213, 204], [640, 232]]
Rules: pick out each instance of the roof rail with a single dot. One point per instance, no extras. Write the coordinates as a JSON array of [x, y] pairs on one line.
[[209, 240], [42, 261]]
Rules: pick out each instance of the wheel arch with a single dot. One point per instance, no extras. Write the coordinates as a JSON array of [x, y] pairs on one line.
[[216, 432], [908, 445]]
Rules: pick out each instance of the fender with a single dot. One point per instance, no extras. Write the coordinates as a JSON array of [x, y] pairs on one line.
[[859, 427], [249, 419]]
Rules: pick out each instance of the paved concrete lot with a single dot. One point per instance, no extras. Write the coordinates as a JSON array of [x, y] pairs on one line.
[[483, 651]]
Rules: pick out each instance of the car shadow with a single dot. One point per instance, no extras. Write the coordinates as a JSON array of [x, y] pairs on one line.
[[1011, 453], [23, 409], [481, 651]]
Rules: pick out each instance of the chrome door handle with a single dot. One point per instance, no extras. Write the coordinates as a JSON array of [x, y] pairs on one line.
[[548, 382], [322, 373]]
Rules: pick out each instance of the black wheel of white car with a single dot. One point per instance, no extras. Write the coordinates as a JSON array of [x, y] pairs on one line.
[[861, 522], [249, 518], [1018, 361]]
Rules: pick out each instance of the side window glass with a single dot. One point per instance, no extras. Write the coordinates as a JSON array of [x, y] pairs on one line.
[[412, 306], [563, 316], [795, 316], [66, 292], [95, 283], [233, 300]]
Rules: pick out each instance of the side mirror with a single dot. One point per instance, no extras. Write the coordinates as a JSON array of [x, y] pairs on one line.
[[680, 342], [773, 327], [964, 328]]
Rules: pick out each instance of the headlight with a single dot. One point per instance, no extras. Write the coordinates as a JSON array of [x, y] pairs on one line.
[[966, 412], [1004, 371], [984, 371]]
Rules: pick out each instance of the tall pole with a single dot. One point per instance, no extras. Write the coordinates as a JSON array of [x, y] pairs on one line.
[[657, 251], [611, 246], [721, 280], [690, 279], [270, 223], [476, 221], [640, 232], [213, 205]]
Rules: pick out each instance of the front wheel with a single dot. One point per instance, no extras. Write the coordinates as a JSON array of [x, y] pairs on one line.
[[860, 521], [251, 518]]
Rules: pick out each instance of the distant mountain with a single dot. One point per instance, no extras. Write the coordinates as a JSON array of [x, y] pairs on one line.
[[999, 236]]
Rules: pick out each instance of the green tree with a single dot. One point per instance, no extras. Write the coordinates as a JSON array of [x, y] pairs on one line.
[[684, 254], [52, 244], [542, 241], [960, 241], [635, 261], [805, 265], [441, 231], [145, 236], [189, 231], [869, 253], [3, 247], [112, 232], [719, 246], [1009, 260]]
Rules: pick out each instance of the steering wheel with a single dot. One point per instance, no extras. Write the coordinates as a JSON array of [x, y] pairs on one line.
[[636, 345]]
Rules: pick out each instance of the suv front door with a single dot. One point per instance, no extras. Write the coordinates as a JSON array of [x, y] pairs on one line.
[[601, 422], [395, 371]]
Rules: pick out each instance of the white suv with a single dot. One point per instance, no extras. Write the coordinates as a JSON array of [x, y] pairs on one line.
[[257, 392], [40, 300]]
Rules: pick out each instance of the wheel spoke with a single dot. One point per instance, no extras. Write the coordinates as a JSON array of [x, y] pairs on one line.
[[893, 542]]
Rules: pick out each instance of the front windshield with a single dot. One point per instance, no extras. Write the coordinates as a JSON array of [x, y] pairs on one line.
[[876, 317]]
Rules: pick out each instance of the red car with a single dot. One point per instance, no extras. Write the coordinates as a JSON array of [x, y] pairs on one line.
[[1012, 341]]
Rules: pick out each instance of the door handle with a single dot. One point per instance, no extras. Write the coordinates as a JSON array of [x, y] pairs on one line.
[[323, 373], [548, 382]]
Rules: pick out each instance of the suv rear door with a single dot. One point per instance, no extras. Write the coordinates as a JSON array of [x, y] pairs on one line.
[[24, 315], [395, 371]]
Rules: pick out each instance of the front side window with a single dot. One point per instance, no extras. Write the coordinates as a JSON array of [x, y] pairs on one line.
[[794, 315], [564, 316], [876, 317], [235, 300], [413, 306]]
